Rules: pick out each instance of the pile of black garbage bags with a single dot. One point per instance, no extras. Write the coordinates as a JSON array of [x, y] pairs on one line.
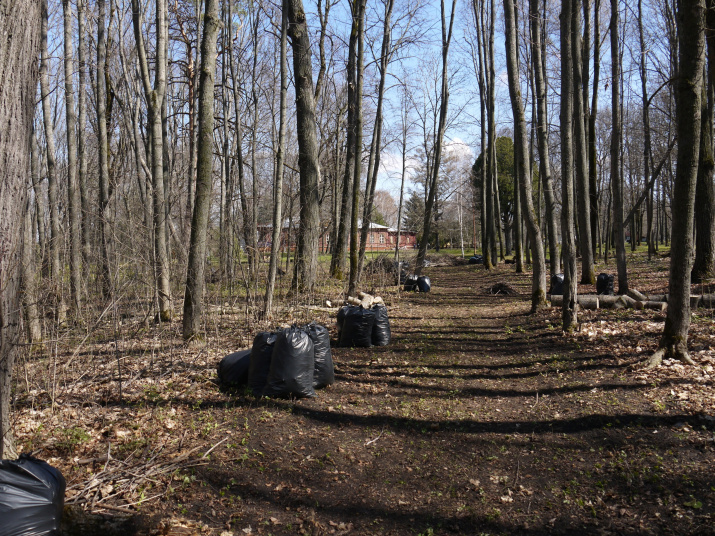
[[290, 362], [32, 495], [360, 327], [420, 283]]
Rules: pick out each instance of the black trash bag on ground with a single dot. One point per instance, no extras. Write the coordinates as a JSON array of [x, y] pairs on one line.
[[604, 284], [32, 496], [476, 259], [381, 328], [423, 283], [324, 371], [557, 284], [260, 361], [292, 365], [410, 283], [341, 318], [233, 369], [357, 327]]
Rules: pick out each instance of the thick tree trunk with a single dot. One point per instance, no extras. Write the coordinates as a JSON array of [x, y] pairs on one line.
[[592, 156], [538, 286], [358, 13], [569, 309], [20, 22], [691, 41], [307, 251], [588, 273], [193, 297], [704, 263]]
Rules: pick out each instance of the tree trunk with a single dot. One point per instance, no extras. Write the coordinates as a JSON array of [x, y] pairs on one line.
[[691, 40], [20, 22], [52, 194], [103, 142], [155, 102], [704, 263], [569, 310], [588, 273], [616, 176], [73, 204], [82, 136], [538, 286], [542, 134], [193, 298], [278, 179], [307, 250], [432, 180], [592, 156]]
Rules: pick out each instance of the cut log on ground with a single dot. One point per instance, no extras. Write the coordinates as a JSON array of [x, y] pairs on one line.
[[636, 295], [587, 301], [708, 301], [654, 305]]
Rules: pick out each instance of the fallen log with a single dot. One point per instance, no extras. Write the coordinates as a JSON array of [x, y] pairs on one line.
[[654, 305], [708, 301], [636, 295], [587, 301], [608, 302]]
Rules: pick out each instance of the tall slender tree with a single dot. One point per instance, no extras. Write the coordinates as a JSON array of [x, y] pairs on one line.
[[538, 286], [193, 297]]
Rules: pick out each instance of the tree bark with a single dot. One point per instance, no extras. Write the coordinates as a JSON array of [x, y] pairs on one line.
[[307, 251], [73, 204], [20, 22], [193, 297], [538, 285], [103, 142], [691, 56], [542, 135], [569, 310], [155, 102], [278, 178], [82, 137], [588, 273], [704, 263], [52, 187], [616, 176]]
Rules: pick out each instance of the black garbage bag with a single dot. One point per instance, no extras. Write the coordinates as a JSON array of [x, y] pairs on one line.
[[476, 259], [381, 328], [557, 284], [292, 365], [604, 284], [423, 283], [357, 327], [233, 369], [32, 496], [341, 318], [324, 371], [410, 283], [260, 363]]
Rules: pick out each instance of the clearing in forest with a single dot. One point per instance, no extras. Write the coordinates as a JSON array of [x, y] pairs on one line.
[[478, 418]]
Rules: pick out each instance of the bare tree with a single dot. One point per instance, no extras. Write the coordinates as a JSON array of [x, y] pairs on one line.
[[155, 98], [538, 286], [691, 62], [569, 311], [279, 170], [18, 87], [432, 182], [73, 205], [193, 298], [105, 186], [307, 250]]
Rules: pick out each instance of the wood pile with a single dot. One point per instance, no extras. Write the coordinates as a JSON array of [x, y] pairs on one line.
[[633, 299], [365, 300]]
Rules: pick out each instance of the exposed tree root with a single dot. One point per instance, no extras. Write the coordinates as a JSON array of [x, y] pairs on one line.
[[675, 351]]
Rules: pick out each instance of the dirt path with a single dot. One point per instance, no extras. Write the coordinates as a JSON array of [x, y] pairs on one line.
[[478, 418]]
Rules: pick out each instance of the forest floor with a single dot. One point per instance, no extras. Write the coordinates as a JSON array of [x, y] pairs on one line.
[[479, 418]]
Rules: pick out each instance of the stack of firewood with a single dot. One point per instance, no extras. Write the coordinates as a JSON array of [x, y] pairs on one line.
[[633, 299], [365, 300]]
